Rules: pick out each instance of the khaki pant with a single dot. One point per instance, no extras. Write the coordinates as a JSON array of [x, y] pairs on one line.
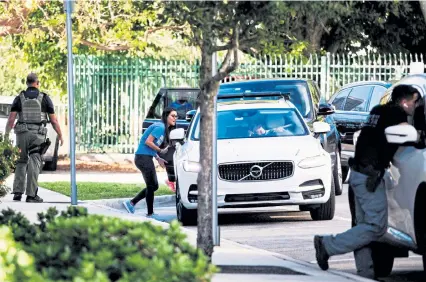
[[28, 166]]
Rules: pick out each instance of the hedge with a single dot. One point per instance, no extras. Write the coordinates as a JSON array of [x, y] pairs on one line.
[[8, 156], [75, 246]]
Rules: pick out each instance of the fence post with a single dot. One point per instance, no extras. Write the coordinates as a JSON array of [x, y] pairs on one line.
[[323, 85]]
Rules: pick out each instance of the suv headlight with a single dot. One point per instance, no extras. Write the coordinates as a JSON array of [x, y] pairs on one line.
[[315, 161], [189, 166]]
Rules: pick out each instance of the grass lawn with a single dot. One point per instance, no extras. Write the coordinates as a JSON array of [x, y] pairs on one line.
[[98, 190]]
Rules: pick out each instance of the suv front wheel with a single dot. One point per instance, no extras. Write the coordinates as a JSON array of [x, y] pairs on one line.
[[338, 174], [184, 215], [326, 210]]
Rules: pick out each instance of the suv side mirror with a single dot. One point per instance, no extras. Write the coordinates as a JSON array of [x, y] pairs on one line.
[[177, 134], [320, 127], [189, 115], [325, 109], [400, 134]]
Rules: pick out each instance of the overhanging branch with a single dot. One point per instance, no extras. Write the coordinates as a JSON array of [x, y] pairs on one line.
[[167, 27], [226, 67], [104, 47], [9, 31], [222, 48]]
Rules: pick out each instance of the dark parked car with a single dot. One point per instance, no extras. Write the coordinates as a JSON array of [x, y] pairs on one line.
[[184, 100], [305, 95], [353, 102]]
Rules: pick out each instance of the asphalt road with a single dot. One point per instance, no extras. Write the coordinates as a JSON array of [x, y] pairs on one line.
[[291, 232]]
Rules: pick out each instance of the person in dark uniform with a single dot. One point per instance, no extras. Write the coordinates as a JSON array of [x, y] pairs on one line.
[[373, 155], [33, 109]]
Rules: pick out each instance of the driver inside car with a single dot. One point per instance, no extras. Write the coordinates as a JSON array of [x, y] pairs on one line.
[[275, 124]]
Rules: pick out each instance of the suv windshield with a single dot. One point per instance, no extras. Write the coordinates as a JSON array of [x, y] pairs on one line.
[[257, 123], [298, 92]]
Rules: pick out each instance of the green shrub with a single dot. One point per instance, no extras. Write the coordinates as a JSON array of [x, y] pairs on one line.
[[75, 246], [23, 231], [8, 157], [15, 264]]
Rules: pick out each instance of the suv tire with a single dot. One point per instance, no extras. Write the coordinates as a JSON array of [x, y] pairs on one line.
[[338, 175], [184, 215], [326, 210]]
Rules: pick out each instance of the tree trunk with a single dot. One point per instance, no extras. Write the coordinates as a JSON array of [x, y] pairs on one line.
[[314, 33], [334, 47], [209, 89]]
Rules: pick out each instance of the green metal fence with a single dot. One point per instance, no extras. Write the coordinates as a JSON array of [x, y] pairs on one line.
[[113, 94]]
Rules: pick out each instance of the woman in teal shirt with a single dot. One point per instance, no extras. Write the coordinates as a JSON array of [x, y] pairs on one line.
[[149, 147]]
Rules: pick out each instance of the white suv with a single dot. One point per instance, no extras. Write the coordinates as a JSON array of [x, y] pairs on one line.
[[405, 182], [266, 155]]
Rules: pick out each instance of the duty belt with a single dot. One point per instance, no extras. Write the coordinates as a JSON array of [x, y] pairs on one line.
[[29, 123]]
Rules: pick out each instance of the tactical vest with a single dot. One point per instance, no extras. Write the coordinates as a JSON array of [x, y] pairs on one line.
[[31, 109]]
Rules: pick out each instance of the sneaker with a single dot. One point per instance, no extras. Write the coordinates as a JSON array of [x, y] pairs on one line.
[[35, 199], [171, 185], [17, 197], [321, 253], [128, 206], [152, 215]]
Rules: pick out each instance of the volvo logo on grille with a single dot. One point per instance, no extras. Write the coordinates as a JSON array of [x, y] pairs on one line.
[[256, 171]]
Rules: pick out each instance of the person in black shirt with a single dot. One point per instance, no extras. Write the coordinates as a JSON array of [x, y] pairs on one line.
[[33, 110], [373, 155]]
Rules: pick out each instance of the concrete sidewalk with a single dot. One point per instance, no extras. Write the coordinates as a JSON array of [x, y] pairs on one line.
[[237, 262]]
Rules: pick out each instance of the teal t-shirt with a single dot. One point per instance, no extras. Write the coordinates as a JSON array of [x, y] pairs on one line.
[[157, 130]]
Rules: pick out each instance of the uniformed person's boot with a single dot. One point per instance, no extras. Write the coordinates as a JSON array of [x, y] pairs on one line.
[[17, 196], [35, 199]]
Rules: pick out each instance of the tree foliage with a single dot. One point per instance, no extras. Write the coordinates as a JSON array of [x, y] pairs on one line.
[[99, 27], [13, 68], [8, 157], [343, 26]]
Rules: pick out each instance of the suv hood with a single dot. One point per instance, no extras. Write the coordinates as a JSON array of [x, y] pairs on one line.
[[262, 149]]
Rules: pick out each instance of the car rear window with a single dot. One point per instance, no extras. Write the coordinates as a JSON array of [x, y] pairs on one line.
[[338, 101], [182, 100], [358, 99], [378, 93]]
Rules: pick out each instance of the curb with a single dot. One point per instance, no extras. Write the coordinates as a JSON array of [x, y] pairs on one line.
[[312, 267], [159, 201]]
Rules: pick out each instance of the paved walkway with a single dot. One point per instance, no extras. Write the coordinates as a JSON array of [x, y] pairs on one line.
[[239, 262]]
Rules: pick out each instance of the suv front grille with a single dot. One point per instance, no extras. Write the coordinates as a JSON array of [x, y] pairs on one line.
[[259, 171], [257, 197]]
